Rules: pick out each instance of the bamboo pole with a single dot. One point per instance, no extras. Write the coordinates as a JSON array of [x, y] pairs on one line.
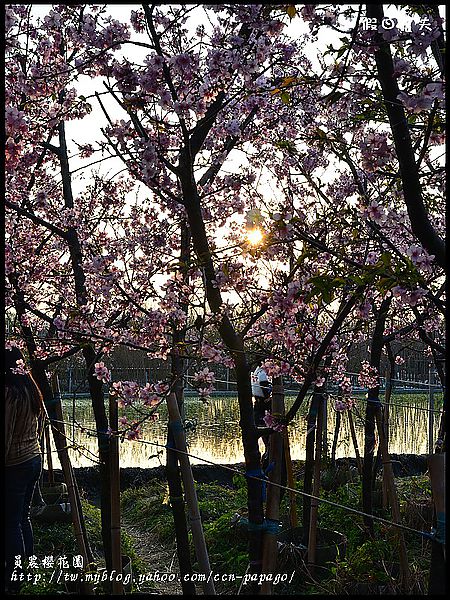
[[359, 463], [270, 547], [191, 494], [312, 538], [51, 476], [117, 586], [63, 454], [388, 475], [337, 428], [290, 479]]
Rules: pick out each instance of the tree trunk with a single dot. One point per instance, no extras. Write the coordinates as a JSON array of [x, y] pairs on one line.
[[373, 401], [235, 346], [176, 499], [388, 477], [309, 462], [270, 547], [409, 173], [312, 525], [101, 424], [116, 549], [436, 468]]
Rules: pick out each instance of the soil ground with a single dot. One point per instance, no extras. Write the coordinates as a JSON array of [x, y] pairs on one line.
[[88, 480]]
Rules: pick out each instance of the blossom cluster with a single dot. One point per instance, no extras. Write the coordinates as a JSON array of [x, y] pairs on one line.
[[368, 375], [410, 297], [344, 404], [130, 392], [203, 381], [133, 430], [273, 422], [101, 372], [346, 386], [21, 368]]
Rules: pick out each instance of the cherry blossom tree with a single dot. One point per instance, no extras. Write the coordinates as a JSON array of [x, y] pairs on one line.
[[279, 211]]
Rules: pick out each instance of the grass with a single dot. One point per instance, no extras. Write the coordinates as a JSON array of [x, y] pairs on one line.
[[369, 566], [58, 540]]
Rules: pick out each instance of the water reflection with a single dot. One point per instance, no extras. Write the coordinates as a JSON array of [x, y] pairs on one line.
[[216, 436]]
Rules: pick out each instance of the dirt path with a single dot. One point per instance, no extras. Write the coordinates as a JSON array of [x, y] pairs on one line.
[[160, 562]]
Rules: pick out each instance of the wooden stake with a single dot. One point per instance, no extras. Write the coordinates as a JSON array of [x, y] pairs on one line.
[[335, 438], [290, 480], [312, 541], [388, 475], [117, 586], [270, 546], [63, 455], [359, 463], [191, 494]]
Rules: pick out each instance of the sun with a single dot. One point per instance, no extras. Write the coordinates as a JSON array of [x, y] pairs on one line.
[[255, 236]]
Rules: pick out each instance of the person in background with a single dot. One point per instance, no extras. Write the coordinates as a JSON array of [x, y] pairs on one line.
[[262, 392], [24, 407]]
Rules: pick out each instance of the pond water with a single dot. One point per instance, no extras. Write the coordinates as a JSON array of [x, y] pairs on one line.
[[216, 436]]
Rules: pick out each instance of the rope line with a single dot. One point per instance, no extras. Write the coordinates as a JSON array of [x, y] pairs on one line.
[[264, 480]]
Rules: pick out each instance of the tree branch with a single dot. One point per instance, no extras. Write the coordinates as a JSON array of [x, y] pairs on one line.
[[412, 189]]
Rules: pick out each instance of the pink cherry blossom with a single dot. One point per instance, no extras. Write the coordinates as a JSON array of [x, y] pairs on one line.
[[273, 422], [101, 372]]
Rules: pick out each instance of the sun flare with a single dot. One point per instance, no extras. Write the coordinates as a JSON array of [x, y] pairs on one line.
[[255, 236]]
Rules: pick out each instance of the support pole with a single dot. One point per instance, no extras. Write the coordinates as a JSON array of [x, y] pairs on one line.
[[63, 455], [270, 546], [191, 495], [337, 428], [359, 463], [388, 476], [117, 586], [290, 480]]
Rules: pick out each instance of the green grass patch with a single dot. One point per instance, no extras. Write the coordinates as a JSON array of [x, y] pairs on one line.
[[58, 540]]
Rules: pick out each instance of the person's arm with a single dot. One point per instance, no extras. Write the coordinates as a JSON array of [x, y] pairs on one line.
[[10, 419]]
